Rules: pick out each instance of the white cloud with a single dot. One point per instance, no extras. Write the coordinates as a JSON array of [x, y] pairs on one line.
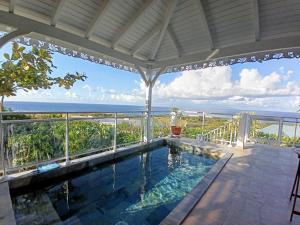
[[211, 86], [290, 72], [296, 102], [281, 69], [89, 89], [71, 94], [217, 84]]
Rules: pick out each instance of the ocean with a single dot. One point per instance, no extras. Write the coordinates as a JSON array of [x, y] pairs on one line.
[[74, 107], [81, 107]]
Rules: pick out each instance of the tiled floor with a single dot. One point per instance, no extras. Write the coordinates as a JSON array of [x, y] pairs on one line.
[[252, 189]]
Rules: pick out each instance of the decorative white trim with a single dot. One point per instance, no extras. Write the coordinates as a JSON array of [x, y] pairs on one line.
[[226, 61], [105, 60], [108, 61]]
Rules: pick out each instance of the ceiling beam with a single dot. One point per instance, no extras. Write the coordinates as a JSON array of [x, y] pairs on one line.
[[256, 22], [97, 18], [11, 7], [31, 25], [203, 20], [57, 12], [169, 12], [143, 75], [174, 40], [212, 54], [12, 35], [240, 50], [139, 14], [161, 71], [144, 40]]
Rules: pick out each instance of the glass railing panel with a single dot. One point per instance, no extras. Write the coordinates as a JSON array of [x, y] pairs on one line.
[[205, 125], [297, 135], [160, 126], [129, 129], [288, 138], [264, 132], [30, 144], [90, 133]]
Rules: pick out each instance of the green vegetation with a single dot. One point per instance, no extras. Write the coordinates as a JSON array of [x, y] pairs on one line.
[[30, 70], [193, 125], [40, 141]]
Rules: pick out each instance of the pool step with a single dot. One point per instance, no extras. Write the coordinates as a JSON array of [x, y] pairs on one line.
[[41, 211]]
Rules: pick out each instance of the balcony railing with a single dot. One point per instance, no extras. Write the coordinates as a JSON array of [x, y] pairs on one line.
[[225, 134], [29, 139], [270, 130]]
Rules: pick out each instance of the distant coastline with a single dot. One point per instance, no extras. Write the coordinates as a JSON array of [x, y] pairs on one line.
[[74, 107], [19, 106]]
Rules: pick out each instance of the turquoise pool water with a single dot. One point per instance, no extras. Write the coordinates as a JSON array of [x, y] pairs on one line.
[[138, 190]]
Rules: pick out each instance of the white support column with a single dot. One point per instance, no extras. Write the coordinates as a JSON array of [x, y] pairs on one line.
[[243, 130], [149, 77], [148, 105]]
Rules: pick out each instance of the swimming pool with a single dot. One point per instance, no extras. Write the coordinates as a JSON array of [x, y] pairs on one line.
[[140, 189]]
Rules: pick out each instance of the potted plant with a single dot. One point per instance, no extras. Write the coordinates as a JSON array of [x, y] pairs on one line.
[[176, 125]]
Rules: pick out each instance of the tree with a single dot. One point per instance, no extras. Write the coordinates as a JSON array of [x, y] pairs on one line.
[[30, 70]]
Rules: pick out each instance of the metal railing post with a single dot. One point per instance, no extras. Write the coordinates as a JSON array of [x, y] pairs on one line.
[[142, 128], [2, 146], [67, 138], [224, 135], [235, 134], [280, 128], [203, 121], [115, 132], [295, 134], [230, 140]]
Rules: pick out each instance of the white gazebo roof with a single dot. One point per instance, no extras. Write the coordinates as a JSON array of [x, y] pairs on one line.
[[154, 34]]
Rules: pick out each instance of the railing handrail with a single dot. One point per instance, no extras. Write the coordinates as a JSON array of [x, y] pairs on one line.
[[227, 123], [260, 117], [63, 119], [74, 112], [106, 115]]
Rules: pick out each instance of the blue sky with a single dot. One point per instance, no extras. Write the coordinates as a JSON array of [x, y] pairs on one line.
[[271, 85]]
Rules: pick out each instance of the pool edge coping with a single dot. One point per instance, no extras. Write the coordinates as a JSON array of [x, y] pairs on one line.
[[7, 215], [183, 209]]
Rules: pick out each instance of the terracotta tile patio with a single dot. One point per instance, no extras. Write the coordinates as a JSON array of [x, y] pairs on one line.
[[252, 189]]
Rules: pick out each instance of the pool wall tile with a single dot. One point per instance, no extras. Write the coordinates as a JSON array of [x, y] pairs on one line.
[[30, 178]]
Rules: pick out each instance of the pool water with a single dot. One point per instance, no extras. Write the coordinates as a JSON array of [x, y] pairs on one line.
[[138, 190]]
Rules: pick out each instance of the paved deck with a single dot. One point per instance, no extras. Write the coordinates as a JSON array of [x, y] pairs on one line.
[[252, 189]]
